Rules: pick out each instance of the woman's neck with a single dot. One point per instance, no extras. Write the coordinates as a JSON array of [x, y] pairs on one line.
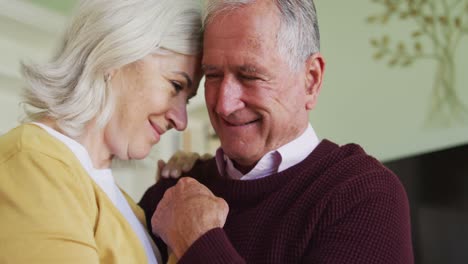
[[92, 140]]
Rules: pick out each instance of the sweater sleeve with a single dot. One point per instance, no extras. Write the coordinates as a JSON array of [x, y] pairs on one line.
[[45, 214], [212, 247], [367, 221], [149, 202]]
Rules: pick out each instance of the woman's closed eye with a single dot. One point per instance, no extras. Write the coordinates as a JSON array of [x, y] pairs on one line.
[[178, 87]]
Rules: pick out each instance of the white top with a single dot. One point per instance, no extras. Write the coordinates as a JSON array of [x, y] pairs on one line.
[[105, 180], [274, 161]]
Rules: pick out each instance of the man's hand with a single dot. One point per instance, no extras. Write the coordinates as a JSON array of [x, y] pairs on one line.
[[187, 211]]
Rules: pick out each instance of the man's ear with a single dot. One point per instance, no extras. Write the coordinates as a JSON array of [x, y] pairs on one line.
[[315, 68]]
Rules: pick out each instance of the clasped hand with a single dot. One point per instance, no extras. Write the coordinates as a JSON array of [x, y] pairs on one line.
[[186, 212]]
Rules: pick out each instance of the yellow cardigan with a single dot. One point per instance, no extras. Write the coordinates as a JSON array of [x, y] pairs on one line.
[[51, 211]]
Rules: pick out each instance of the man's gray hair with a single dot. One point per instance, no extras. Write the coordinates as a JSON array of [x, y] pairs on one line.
[[105, 35], [298, 36]]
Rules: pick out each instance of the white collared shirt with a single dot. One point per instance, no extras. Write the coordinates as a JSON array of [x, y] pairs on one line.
[[105, 180], [274, 161]]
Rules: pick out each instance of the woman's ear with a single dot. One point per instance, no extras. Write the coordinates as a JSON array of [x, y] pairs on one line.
[[315, 68], [109, 74]]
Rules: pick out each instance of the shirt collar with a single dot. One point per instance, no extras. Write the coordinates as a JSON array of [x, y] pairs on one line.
[[274, 161]]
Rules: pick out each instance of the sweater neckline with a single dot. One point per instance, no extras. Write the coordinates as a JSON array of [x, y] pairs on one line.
[[242, 191]]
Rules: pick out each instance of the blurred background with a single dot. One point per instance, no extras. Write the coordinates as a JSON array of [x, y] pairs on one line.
[[395, 82]]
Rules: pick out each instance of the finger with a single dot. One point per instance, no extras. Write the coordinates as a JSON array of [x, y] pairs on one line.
[[189, 161], [161, 164], [177, 163], [163, 169], [185, 181], [183, 163], [176, 156], [191, 187], [170, 165], [175, 173], [187, 184], [184, 158]]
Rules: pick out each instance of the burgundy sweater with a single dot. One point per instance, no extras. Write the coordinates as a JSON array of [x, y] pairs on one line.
[[339, 205]]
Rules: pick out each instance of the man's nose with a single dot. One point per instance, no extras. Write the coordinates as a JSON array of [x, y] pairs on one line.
[[229, 97]]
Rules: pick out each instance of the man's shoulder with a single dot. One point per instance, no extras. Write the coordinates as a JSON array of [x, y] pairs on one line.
[[346, 177], [351, 156], [342, 166], [354, 170]]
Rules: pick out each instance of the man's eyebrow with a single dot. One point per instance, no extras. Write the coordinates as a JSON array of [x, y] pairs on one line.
[[206, 68], [248, 68], [187, 78]]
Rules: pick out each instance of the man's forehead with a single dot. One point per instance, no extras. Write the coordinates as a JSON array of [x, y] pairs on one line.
[[255, 42]]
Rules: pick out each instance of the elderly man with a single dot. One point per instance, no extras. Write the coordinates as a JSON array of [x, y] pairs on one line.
[[292, 198]]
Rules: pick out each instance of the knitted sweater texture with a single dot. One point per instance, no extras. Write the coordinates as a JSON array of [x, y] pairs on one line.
[[339, 205]]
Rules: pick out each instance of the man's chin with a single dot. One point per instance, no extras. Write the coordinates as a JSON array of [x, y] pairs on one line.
[[242, 155]]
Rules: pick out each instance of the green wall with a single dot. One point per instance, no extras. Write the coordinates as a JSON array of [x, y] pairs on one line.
[[61, 6], [364, 101]]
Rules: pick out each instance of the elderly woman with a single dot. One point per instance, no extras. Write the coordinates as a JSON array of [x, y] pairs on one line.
[[121, 78]]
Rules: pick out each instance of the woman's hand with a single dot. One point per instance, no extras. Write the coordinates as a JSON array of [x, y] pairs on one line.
[[180, 162]]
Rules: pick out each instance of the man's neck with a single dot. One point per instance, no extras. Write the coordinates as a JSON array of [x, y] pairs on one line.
[[244, 169]]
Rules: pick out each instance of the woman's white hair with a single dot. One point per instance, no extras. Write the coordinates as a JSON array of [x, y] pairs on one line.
[[298, 36], [105, 35]]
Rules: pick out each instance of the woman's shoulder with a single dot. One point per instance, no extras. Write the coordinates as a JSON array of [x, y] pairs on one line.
[[33, 140], [29, 154], [37, 170]]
